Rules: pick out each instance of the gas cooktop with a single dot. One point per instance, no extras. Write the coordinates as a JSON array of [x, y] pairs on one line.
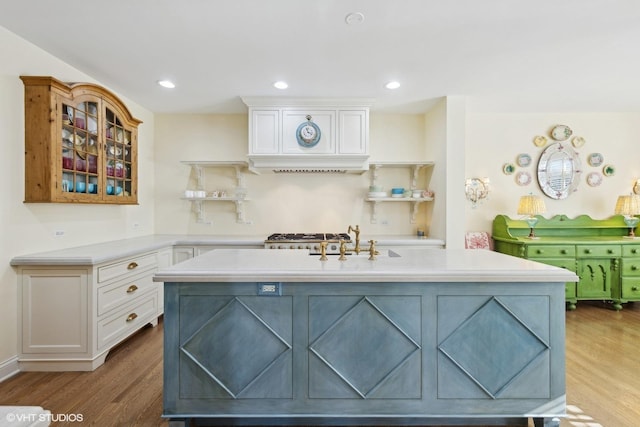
[[307, 237]]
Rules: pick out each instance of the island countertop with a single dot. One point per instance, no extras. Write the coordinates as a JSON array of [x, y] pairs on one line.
[[402, 265]]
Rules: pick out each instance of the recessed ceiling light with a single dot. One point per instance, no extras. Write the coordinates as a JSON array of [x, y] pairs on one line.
[[354, 18], [166, 83], [392, 85], [280, 85]]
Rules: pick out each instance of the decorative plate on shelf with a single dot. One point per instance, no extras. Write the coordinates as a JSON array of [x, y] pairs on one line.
[[608, 170], [540, 141], [594, 179], [524, 160], [523, 178], [577, 141], [508, 168], [595, 159], [561, 133]]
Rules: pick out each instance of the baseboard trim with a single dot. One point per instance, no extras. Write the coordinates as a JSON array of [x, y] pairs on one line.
[[9, 368]]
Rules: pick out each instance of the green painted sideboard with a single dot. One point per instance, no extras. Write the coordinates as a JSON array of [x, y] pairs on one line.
[[598, 251]]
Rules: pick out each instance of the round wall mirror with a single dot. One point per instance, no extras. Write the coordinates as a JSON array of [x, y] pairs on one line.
[[559, 170]]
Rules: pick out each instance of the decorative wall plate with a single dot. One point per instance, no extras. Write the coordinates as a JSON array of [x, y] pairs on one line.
[[594, 179], [508, 168], [540, 141], [595, 159], [523, 178], [524, 160], [577, 141], [608, 170], [561, 133]]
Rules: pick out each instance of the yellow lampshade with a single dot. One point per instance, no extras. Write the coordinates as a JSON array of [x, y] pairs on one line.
[[531, 205], [628, 205]]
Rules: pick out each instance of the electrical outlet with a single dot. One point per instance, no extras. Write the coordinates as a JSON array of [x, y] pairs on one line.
[[136, 225], [384, 222], [58, 233]]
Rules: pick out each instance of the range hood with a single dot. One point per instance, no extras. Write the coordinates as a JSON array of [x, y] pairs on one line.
[[308, 135]]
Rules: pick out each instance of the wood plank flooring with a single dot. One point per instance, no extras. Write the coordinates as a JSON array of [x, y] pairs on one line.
[[603, 383]]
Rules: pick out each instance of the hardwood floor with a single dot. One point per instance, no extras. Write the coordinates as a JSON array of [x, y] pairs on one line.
[[603, 384]]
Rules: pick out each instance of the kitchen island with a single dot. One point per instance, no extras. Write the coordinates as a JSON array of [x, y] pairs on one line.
[[415, 337]]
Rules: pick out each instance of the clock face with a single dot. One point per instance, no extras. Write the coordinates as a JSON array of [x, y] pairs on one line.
[[308, 134]]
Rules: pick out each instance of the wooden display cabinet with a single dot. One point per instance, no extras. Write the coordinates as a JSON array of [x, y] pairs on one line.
[[80, 144]]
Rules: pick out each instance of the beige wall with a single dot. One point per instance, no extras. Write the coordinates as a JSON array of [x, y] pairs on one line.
[[495, 139], [282, 202], [29, 228]]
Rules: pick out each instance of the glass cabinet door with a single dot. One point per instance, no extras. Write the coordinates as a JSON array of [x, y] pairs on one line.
[[118, 155], [80, 163]]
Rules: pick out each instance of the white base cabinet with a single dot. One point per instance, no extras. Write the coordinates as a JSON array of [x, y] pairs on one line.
[[71, 316]]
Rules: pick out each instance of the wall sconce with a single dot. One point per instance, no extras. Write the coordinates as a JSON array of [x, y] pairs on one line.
[[476, 189], [636, 187], [629, 206], [531, 205]]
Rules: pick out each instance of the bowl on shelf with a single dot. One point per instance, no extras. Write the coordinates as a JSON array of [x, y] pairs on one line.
[[397, 190]]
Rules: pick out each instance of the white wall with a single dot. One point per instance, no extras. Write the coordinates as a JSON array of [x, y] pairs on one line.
[[29, 228], [495, 139]]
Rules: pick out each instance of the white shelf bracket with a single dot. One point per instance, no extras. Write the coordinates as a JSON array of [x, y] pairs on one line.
[[374, 212], [414, 212], [239, 176], [198, 208], [414, 179], [240, 219], [374, 174], [199, 174]]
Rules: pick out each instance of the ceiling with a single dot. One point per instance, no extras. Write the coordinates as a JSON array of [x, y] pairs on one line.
[[504, 55]]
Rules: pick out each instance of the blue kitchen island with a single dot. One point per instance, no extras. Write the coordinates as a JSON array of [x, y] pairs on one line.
[[415, 337]]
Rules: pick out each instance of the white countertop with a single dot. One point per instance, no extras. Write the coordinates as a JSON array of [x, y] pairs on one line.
[[413, 265], [99, 253]]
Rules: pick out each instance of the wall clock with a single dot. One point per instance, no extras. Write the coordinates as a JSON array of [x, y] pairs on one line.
[[308, 133]]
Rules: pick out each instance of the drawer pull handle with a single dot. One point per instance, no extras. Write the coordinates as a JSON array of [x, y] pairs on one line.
[[587, 251], [634, 251], [132, 317], [633, 267], [540, 251], [609, 251], [563, 251], [132, 289], [132, 265], [634, 288]]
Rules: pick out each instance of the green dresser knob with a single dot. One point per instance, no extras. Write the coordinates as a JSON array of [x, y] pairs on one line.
[[540, 251], [634, 288], [634, 251], [634, 267], [587, 251], [563, 251], [609, 251]]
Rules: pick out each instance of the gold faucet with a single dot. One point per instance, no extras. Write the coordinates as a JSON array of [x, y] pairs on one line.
[[356, 230], [372, 250], [323, 250]]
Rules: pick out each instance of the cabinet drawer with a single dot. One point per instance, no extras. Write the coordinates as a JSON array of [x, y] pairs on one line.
[[118, 326], [630, 266], [568, 264], [629, 251], [129, 266], [547, 251], [120, 293], [631, 288], [604, 251]]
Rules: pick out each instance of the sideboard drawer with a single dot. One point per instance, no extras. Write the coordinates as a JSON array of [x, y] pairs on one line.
[[630, 267], [631, 288], [604, 251], [116, 327], [629, 251], [129, 266], [550, 251]]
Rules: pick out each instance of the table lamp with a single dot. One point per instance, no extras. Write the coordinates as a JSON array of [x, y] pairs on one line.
[[629, 206], [531, 205]]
